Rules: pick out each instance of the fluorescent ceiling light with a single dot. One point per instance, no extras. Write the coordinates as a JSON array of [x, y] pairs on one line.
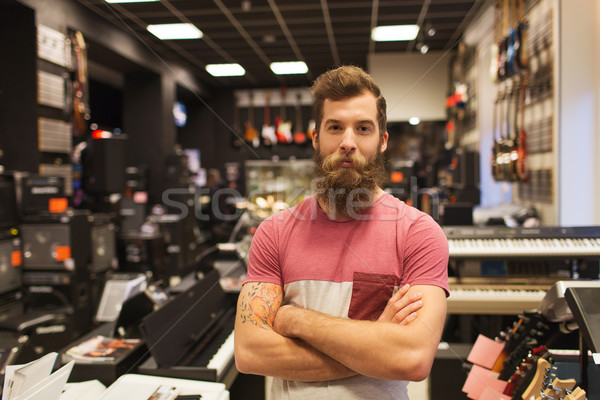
[[393, 33], [175, 31], [289, 67], [129, 1], [225, 69]]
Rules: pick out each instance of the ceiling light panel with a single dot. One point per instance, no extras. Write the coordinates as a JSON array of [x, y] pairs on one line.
[[394, 33], [175, 31]]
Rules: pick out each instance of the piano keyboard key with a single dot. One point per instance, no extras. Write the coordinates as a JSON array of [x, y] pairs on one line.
[[223, 357]]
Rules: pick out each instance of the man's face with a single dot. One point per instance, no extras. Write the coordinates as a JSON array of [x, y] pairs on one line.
[[348, 157], [350, 126]]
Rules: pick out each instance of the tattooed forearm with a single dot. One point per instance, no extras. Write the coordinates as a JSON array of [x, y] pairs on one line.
[[260, 303]]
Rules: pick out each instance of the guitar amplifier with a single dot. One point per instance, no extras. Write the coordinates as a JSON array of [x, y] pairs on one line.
[[180, 240], [38, 194], [11, 261], [143, 252], [104, 166], [57, 241], [56, 290], [9, 213], [104, 243], [132, 213], [136, 178]]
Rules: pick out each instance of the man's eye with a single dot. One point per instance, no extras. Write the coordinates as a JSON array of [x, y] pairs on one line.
[[334, 127], [364, 129]]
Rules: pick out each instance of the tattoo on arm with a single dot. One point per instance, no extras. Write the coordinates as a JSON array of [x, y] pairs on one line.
[[260, 304]]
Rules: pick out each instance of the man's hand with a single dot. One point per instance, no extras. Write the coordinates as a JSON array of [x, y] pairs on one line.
[[402, 307]]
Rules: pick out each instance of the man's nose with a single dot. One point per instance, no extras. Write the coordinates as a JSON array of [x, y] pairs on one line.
[[348, 143]]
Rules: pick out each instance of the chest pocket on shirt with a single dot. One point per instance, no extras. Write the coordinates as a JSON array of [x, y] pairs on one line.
[[370, 293]]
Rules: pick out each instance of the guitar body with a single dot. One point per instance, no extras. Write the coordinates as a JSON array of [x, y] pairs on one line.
[[311, 129], [251, 135], [268, 135], [268, 131], [299, 135], [284, 132]]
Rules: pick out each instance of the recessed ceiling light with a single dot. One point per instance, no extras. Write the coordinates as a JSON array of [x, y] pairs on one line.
[[414, 120], [289, 67], [130, 1], [175, 31], [233, 69], [391, 33]]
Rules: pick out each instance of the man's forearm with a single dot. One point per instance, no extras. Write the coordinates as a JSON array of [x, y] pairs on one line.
[[260, 350], [286, 358], [377, 349]]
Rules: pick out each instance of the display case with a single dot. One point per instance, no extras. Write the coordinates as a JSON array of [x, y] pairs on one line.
[[273, 186]]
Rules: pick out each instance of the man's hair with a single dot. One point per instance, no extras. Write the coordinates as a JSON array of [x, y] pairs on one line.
[[342, 83]]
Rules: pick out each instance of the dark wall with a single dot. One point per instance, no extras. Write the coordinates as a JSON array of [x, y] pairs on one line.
[[18, 89]]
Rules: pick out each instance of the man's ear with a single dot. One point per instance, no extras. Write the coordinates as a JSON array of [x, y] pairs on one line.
[[315, 139], [384, 140]]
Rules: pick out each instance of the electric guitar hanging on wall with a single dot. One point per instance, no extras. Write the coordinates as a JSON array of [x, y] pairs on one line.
[[283, 126], [81, 109]]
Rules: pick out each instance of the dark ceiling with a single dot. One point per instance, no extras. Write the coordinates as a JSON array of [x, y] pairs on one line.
[[253, 33]]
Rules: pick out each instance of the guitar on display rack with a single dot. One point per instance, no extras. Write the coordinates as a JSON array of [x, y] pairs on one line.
[[81, 110], [503, 45], [268, 130], [521, 165], [299, 135], [512, 42], [522, 46], [283, 126], [251, 134]]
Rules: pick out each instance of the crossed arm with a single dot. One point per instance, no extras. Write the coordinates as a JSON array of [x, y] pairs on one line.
[[304, 345]]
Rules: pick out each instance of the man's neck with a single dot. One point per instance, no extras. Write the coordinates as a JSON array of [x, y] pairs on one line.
[[342, 214]]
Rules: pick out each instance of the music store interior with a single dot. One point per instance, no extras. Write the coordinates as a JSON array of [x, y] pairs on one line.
[[136, 164]]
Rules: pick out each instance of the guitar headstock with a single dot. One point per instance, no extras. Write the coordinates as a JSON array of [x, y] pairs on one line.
[[560, 389]]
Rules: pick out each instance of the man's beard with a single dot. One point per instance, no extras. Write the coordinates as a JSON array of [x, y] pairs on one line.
[[347, 190]]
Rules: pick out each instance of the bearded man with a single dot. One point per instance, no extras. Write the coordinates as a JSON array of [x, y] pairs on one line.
[[345, 296]]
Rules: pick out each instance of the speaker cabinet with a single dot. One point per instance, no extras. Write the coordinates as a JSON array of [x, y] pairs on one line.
[[181, 240], [11, 260], [104, 244], [104, 166], [9, 213], [143, 252], [57, 241], [133, 214], [52, 290], [38, 194]]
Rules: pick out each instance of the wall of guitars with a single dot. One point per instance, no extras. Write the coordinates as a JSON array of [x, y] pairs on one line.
[[523, 124]]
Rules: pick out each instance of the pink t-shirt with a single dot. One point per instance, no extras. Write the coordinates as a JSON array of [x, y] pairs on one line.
[[390, 245], [347, 268]]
